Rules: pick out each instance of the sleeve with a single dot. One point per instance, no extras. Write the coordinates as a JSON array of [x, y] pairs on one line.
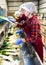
[[20, 19], [21, 25], [35, 30]]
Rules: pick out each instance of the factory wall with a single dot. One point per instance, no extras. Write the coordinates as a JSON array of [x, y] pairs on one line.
[[3, 5], [13, 5], [42, 6], [42, 12]]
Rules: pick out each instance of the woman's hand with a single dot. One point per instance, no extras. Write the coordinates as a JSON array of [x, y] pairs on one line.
[[19, 41], [23, 40]]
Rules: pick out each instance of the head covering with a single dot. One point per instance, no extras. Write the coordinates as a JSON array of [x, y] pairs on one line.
[[28, 6]]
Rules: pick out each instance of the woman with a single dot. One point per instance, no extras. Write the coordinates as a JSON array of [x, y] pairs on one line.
[[31, 27]]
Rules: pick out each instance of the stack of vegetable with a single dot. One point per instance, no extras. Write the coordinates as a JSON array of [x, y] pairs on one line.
[[8, 46]]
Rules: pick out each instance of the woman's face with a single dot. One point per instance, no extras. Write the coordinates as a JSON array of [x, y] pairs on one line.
[[25, 12]]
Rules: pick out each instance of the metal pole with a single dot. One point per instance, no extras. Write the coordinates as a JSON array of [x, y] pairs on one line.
[[38, 5]]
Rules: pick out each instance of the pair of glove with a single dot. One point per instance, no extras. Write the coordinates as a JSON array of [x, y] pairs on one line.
[[19, 40], [11, 19]]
